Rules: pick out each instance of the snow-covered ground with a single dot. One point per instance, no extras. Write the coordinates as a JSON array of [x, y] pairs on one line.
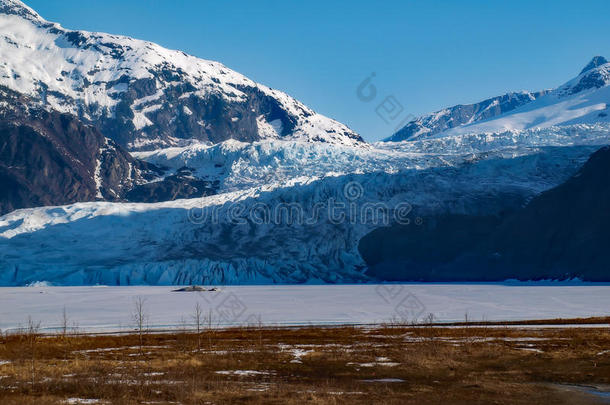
[[111, 308]]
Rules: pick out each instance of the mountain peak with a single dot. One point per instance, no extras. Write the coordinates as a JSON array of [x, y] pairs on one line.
[[595, 62], [17, 7]]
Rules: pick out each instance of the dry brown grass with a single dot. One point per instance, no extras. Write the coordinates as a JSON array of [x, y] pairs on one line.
[[462, 365]]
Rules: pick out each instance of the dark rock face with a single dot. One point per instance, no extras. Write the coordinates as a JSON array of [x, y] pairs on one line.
[[592, 79], [560, 234], [49, 158], [181, 114], [180, 185], [452, 117]]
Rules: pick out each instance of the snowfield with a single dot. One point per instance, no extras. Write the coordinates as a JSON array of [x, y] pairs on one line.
[[108, 309]]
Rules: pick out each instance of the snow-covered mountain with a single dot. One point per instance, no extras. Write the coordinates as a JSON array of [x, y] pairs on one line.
[[439, 121], [144, 96], [582, 100]]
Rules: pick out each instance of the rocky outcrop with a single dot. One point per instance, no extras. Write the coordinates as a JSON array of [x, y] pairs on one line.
[[180, 185], [49, 158]]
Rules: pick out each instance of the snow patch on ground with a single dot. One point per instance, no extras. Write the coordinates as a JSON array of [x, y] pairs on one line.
[[81, 401], [244, 373]]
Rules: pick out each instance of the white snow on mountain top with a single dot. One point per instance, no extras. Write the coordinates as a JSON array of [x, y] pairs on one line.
[[582, 100], [555, 109], [84, 73], [17, 7]]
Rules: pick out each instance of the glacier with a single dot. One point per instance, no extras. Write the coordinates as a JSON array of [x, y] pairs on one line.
[[225, 239]]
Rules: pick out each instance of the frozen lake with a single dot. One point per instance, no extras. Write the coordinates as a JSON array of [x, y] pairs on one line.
[[111, 308]]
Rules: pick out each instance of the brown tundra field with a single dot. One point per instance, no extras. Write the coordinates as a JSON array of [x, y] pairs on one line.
[[390, 364]]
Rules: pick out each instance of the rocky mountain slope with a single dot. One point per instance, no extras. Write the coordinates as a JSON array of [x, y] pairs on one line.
[[49, 158], [52, 158], [562, 232], [144, 96], [584, 99]]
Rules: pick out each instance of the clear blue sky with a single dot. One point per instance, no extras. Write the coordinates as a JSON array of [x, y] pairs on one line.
[[427, 54]]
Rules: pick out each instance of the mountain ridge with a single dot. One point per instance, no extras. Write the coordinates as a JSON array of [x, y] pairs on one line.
[[433, 123], [595, 62]]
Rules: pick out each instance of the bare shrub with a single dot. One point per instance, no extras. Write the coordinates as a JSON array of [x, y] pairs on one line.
[[140, 318]]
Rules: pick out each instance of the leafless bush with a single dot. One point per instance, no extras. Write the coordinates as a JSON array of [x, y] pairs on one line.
[[140, 318], [210, 329], [198, 318], [32, 334], [429, 319], [64, 323]]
